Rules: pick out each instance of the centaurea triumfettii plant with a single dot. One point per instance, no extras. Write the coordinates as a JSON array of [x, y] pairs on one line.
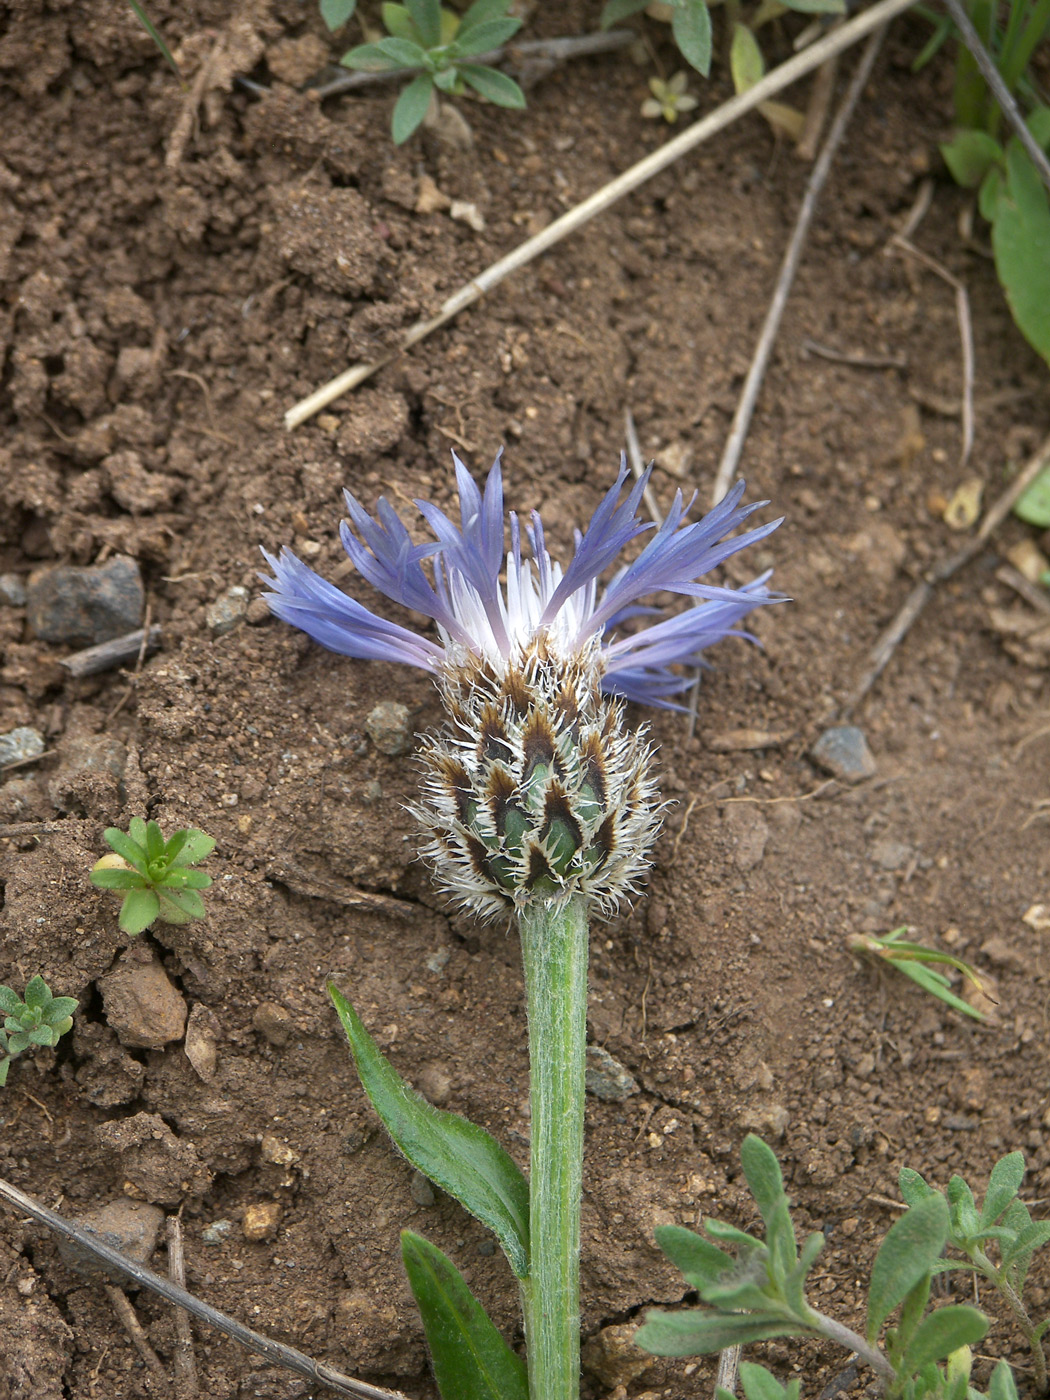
[[538, 804]]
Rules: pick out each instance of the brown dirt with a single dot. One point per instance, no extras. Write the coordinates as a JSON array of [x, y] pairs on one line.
[[156, 319]]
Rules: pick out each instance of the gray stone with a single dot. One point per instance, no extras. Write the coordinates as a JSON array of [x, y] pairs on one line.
[[228, 611], [389, 729], [843, 752], [90, 777], [20, 745], [607, 1079], [133, 1227], [421, 1190], [12, 590], [274, 1023], [85, 606], [216, 1232], [889, 854]]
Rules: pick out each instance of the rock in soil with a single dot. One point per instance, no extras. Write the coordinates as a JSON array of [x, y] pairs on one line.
[[20, 745], [157, 1165], [133, 1227], [38, 1344], [843, 752], [141, 1004], [228, 611], [389, 729], [607, 1079], [85, 606], [12, 590]]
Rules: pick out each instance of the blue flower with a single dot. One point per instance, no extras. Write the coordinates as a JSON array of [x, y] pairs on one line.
[[480, 618]]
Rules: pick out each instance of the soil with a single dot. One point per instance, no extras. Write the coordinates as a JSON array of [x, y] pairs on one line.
[[177, 268]]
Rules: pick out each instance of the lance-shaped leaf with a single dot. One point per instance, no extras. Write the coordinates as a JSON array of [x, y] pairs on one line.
[[700, 1262], [1003, 1185], [941, 1333], [699, 1333], [456, 1155], [471, 1359], [909, 1251]]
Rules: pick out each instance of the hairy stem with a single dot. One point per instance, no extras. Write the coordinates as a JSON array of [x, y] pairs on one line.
[[852, 1341], [1017, 1307], [554, 954]]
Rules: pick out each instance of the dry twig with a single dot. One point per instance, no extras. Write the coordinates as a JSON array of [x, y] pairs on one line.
[[133, 1327], [781, 77], [727, 468], [277, 1352], [186, 1387], [923, 592]]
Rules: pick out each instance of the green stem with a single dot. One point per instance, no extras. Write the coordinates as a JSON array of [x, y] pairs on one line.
[[554, 954], [1020, 1312]]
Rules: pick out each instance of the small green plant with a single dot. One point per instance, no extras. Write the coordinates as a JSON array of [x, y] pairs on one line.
[[753, 1286], [155, 874], [1011, 194], [669, 100], [437, 45], [918, 963], [155, 34], [40, 1019]]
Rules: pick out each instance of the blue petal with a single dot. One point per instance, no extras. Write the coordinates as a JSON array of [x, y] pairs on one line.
[[306, 600]]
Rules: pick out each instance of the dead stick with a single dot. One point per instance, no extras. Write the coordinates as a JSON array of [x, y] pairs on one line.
[[186, 1387], [277, 1352], [922, 592], [781, 77], [133, 1327], [116, 652], [727, 468]]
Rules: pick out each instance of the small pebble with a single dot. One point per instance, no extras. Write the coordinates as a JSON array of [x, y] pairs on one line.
[[607, 1079], [421, 1190], [261, 1220], [389, 729], [228, 611], [141, 1004], [85, 606], [12, 590], [273, 1022], [216, 1232], [20, 745], [843, 752], [133, 1227]]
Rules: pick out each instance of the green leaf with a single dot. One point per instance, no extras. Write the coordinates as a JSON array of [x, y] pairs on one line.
[[336, 13], [179, 906], [1027, 1242], [698, 1333], [177, 879], [470, 1357], [970, 156], [138, 911], [699, 1262], [1003, 1185], [426, 16], [760, 1384], [941, 1333], [18, 1042], [411, 108], [942, 29], [616, 10], [691, 27], [496, 86], [745, 59], [197, 845], [117, 879], [399, 22], [1021, 243], [38, 994], [719, 1230], [480, 13], [42, 1035], [492, 34], [447, 80], [906, 1255], [965, 1221], [763, 1175], [5, 1065], [10, 1001], [816, 7], [1038, 123], [61, 1008], [1034, 504], [456, 1155], [154, 842], [133, 851], [386, 56], [155, 35], [1002, 1385]]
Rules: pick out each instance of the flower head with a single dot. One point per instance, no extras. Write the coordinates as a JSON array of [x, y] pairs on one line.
[[478, 617], [536, 790]]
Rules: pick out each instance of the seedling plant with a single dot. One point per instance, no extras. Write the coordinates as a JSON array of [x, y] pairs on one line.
[[39, 1019], [155, 874], [920, 964], [753, 1285], [438, 46]]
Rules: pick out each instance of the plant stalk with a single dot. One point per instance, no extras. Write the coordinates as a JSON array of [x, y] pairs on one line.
[[554, 955]]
